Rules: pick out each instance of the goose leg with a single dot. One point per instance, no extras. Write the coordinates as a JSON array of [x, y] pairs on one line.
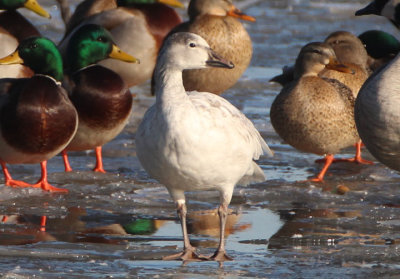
[[189, 252], [99, 161], [220, 255]]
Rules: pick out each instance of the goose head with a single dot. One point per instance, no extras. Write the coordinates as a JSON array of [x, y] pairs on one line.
[[184, 51]]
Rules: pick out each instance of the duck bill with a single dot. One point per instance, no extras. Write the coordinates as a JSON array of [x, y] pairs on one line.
[[118, 54], [336, 66], [34, 6], [368, 10], [172, 3], [235, 12], [214, 60], [13, 58]]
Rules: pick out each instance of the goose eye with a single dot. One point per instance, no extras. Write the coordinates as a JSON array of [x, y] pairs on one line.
[[192, 45]]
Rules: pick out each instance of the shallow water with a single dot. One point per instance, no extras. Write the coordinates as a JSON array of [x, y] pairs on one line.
[[120, 224]]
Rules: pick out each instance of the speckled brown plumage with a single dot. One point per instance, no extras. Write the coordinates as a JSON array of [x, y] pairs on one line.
[[313, 114]]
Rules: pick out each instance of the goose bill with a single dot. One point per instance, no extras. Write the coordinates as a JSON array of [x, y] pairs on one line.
[[214, 60], [118, 54], [13, 58], [34, 6]]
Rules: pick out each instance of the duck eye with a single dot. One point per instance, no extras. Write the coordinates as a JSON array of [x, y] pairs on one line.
[[32, 46], [101, 39], [192, 45]]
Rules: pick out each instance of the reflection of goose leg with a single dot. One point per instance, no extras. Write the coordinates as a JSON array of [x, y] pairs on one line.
[[189, 252], [220, 255]]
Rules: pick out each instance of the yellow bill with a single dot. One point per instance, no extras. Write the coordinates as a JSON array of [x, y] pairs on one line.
[[13, 58], [117, 53], [173, 3], [34, 6]]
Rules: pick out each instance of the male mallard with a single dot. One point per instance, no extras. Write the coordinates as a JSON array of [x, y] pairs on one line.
[[100, 96], [13, 29], [216, 21], [137, 26], [312, 113], [37, 119], [381, 47]]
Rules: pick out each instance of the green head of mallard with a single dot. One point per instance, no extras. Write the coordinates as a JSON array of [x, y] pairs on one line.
[[92, 43], [32, 5], [173, 3], [40, 54]]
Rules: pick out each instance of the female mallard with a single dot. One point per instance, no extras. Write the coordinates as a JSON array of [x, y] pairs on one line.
[[137, 26], [195, 141], [100, 96], [216, 21], [315, 114], [14, 28], [37, 120], [349, 51]]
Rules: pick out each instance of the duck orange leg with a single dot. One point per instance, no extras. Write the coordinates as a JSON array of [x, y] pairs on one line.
[[328, 161], [99, 161], [44, 184], [357, 158], [8, 179], [67, 166], [43, 221]]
